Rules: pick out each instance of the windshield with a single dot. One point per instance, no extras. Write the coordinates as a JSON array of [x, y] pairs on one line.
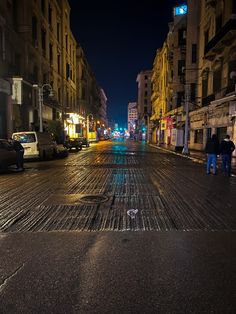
[[25, 138]]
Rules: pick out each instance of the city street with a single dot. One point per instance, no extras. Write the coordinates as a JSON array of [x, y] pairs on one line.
[[120, 227]]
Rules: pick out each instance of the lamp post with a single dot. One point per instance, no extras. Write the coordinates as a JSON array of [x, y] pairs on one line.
[[185, 150], [40, 99], [87, 120]]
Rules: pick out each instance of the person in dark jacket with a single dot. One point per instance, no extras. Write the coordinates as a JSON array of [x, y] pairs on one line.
[[212, 150], [226, 149], [19, 149]]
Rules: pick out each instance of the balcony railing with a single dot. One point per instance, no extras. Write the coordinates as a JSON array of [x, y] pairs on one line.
[[222, 38]]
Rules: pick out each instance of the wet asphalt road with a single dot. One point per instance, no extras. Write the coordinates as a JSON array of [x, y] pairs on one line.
[[117, 228]]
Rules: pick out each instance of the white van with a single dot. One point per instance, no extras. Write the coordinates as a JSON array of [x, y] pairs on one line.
[[36, 144]]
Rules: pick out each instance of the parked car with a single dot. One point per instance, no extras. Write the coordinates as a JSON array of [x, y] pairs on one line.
[[36, 144], [73, 143], [7, 155], [84, 141]]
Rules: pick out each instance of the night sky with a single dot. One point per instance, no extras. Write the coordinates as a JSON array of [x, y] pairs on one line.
[[120, 39]]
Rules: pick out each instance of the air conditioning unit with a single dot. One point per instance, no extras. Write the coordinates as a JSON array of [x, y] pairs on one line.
[[232, 108]]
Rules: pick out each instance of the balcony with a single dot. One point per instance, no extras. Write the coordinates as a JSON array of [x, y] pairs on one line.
[[207, 100], [224, 37]]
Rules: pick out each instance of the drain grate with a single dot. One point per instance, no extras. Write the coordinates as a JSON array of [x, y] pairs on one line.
[[93, 199]]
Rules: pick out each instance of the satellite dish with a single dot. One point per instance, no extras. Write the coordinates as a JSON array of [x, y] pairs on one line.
[[232, 75]]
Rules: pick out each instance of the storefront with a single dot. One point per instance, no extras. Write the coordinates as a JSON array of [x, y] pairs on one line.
[[74, 125], [217, 118]]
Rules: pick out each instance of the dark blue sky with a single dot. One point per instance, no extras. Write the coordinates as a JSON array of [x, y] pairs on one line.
[[120, 39]]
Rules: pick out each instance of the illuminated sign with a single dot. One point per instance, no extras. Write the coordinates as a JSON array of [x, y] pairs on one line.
[[180, 10]]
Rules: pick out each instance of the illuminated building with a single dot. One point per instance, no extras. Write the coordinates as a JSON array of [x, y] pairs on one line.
[[144, 99], [132, 117], [216, 92]]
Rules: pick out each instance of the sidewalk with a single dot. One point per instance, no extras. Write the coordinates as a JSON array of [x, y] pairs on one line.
[[196, 156]]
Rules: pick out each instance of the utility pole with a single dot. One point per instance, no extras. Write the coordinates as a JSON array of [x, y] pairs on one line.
[[40, 100], [40, 91], [185, 150]]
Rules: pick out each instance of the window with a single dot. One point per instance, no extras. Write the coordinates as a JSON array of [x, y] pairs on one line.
[[35, 73], [233, 6], [145, 84], [49, 15], [43, 40], [145, 101], [206, 37], [231, 76], [180, 97], [194, 53], [198, 136], [67, 71], [145, 109], [58, 31], [192, 92], [182, 37], [59, 94], [43, 6], [66, 42], [145, 93], [34, 30], [204, 88], [181, 67], [1, 43], [59, 63], [145, 77], [217, 80], [83, 93], [218, 23], [51, 53]]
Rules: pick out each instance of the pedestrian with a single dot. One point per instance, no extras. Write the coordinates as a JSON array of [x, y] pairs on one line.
[[19, 149], [212, 150], [226, 149]]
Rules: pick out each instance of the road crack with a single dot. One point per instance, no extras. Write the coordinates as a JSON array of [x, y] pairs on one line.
[[7, 279]]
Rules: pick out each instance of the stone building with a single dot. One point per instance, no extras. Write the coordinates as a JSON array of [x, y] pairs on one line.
[[132, 117], [38, 54], [217, 76], [144, 101], [168, 80]]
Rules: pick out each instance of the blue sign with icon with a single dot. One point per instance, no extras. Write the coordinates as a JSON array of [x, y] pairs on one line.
[[181, 9]]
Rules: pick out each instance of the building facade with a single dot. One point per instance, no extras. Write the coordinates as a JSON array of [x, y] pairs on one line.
[[144, 101], [132, 118], [217, 76], [38, 58]]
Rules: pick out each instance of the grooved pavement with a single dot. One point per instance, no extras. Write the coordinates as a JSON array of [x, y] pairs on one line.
[[166, 191]]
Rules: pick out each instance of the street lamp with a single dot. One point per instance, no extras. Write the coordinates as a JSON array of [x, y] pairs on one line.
[[40, 99]]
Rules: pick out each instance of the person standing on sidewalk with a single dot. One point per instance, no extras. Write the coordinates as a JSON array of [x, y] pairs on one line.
[[226, 149], [19, 149], [212, 150]]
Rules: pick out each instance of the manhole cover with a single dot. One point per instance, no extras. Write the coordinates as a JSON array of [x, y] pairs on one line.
[[91, 199]]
